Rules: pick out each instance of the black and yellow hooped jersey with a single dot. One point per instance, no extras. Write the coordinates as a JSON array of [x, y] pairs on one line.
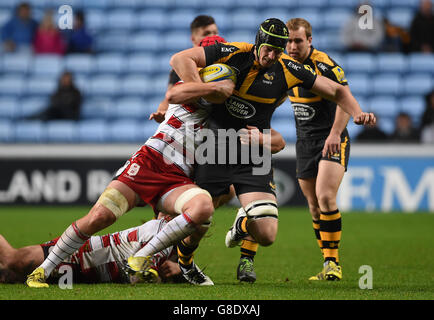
[[258, 90], [314, 116]]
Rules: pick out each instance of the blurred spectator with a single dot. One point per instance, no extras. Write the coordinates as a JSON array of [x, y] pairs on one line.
[[65, 103], [404, 130], [18, 32], [372, 133], [427, 122], [355, 38], [48, 38], [422, 26], [78, 39], [396, 38]]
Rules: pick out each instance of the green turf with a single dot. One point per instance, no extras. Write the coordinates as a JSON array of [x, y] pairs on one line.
[[398, 247]]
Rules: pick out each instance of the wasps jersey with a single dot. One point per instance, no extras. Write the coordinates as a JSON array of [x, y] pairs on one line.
[[258, 90], [314, 116]]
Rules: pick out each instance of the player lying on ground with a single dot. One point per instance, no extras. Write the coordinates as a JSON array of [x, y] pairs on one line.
[[100, 259]]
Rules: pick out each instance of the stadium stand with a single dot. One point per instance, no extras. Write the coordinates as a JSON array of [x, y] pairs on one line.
[[126, 77]]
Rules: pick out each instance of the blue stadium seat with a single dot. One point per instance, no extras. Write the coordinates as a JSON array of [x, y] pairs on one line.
[[400, 16], [30, 131], [420, 62], [413, 105], [218, 4], [418, 83], [152, 19], [101, 4], [94, 130], [387, 84], [163, 4], [284, 111], [336, 18], [130, 107], [360, 83], [181, 18], [159, 85], [136, 85], [281, 13], [353, 129], [62, 131], [328, 41], [125, 131], [41, 85], [221, 17], [121, 19], [312, 14], [145, 42], [163, 63], [80, 63], [190, 4], [384, 106], [404, 3], [104, 84], [113, 41], [110, 63], [360, 62], [9, 107], [32, 105], [96, 108], [241, 36], [175, 41], [6, 131], [346, 4], [16, 63], [280, 4], [148, 130], [286, 129], [245, 19], [311, 4], [387, 125], [95, 20], [47, 64], [141, 62], [392, 62], [12, 85]]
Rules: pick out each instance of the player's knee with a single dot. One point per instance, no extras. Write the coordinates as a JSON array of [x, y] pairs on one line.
[[197, 203], [326, 199], [266, 239], [100, 219]]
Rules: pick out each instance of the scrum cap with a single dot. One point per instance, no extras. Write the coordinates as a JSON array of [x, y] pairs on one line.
[[272, 32]]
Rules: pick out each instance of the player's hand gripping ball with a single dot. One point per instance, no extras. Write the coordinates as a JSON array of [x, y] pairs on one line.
[[218, 72]]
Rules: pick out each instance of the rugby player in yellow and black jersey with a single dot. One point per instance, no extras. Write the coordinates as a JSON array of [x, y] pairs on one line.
[[322, 148], [265, 75]]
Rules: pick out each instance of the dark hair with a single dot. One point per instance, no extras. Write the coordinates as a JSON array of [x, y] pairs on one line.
[[201, 21]]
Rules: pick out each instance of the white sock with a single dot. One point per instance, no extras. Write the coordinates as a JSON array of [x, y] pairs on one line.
[[69, 242], [173, 232]]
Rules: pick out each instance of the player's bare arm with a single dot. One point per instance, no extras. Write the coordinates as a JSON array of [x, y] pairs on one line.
[[160, 114], [333, 141], [215, 92], [335, 92], [185, 63]]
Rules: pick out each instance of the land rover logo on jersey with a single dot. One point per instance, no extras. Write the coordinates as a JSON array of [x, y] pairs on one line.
[[240, 108], [303, 112]]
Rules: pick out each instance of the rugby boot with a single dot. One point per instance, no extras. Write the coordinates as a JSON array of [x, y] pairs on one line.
[[195, 276], [37, 279], [235, 234], [332, 271], [245, 271]]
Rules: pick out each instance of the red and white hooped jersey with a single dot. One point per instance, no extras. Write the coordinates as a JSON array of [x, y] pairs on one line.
[[175, 138], [103, 258]]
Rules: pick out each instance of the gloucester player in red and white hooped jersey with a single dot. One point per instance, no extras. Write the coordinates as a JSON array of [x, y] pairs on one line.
[[103, 258]]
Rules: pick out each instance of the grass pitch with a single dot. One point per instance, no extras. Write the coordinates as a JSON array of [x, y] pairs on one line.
[[397, 246]]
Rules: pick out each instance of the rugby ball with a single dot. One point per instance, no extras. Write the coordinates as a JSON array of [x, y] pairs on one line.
[[217, 72]]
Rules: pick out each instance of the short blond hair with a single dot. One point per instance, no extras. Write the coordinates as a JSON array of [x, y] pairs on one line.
[[295, 23]]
